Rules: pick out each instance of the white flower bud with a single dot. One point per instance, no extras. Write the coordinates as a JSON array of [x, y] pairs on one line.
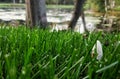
[[99, 50]]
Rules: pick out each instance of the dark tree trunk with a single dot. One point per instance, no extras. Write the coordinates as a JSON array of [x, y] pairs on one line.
[[77, 13], [36, 13]]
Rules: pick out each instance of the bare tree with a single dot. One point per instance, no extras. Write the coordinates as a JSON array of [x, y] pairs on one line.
[[14, 1], [36, 13], [77, 13]]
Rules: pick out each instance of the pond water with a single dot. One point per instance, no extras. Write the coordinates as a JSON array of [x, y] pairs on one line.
[[59, 18], [53, 15], [12, 14]]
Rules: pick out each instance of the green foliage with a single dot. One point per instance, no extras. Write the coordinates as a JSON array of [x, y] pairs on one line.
[[117, 2], [96, 5], [117, 8], [40, 54]]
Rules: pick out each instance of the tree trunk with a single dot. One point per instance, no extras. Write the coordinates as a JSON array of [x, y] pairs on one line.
[[14, 1], [83, 20], [36, 13], [77, 12]]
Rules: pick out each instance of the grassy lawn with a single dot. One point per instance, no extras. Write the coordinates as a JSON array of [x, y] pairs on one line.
[[40, 54], [11, 5]]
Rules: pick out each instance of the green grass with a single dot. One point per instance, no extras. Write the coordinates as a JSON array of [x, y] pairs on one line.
[[11, 5], [40, 54]]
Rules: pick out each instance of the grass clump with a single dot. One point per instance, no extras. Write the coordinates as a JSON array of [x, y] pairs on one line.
[[40, 54]]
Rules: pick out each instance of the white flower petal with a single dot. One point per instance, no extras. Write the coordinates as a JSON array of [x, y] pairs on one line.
[[99, 50]]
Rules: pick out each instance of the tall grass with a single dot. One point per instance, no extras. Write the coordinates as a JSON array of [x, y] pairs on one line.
[[40, 54]]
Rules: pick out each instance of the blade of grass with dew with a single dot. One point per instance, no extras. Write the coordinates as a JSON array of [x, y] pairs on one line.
[[107, 67]]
